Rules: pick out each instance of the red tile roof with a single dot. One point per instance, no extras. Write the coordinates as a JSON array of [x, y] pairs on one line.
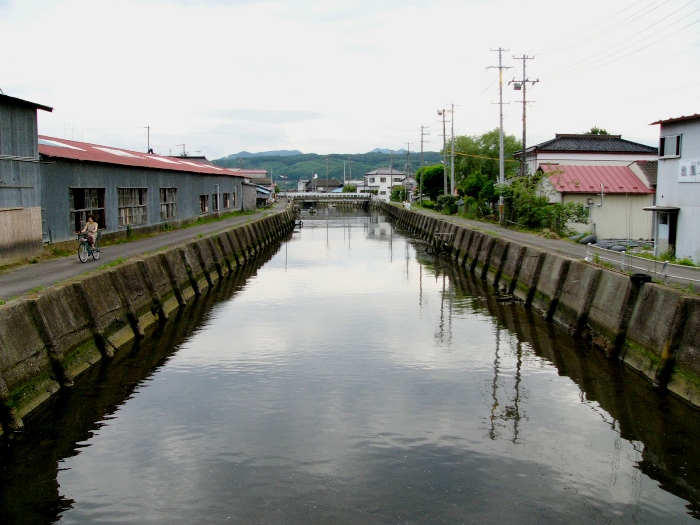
[[70, 149], [587, 179]]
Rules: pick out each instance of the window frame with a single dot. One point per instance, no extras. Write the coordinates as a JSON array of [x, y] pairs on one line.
[[132, 206], [93, 204], [168, 203], [664, 145]]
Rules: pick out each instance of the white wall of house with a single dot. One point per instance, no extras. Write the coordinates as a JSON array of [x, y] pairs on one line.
[[383, 184], [679, 184], [621, 216]]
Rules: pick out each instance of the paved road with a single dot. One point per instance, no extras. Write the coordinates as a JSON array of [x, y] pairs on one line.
[[681, 275], [24, 279]]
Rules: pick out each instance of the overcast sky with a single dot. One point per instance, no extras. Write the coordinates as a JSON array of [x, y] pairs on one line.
[[345, 76]]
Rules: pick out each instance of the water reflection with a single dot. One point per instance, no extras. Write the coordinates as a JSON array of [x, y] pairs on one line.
[[356, 379]]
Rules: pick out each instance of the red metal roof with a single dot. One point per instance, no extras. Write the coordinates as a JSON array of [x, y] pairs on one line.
[[587, 179], [696, 116], [71, 149]]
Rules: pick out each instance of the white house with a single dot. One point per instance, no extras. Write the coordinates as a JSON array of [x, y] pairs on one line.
[[677, 209], [583, 149], [613, 195], [382, 180]]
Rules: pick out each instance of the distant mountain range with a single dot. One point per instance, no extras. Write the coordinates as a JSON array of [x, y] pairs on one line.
[[276, 153], [287, 167], [289, 152]]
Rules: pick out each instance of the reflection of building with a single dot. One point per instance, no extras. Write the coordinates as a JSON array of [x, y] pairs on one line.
[[677, 209]]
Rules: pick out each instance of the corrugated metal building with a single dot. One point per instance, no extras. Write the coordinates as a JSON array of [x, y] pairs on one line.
[[125, 189], [48, 186], [20, 180]]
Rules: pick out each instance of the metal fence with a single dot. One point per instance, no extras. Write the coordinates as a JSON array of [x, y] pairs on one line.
[[686, 276]]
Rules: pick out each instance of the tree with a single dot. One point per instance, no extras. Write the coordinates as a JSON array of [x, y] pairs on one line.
[[477, 167], [349, 188], [595, 130], [398, 194], [433, 180], [528, 206]]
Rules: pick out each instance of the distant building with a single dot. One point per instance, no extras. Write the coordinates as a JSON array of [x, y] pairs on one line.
[[323, 185], [381, 181], [677, 208]]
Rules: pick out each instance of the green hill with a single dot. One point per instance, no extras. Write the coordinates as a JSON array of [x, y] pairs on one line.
[[287, 170]]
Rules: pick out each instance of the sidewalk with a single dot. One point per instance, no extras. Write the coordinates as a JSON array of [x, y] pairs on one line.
[[31, 277], [684, 275]]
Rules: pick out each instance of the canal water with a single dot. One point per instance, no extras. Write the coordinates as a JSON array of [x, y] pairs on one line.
[[348, 377]]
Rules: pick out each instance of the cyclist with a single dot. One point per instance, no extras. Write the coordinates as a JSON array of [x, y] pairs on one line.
[[91, 230]]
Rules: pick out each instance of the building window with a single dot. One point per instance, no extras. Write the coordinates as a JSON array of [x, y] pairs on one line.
[[670, 146], [84, 202], [227, 201], [233, 200], [131, 205], [382, 179], [204, 204], [214, 202], [371, 179], [168, 203]]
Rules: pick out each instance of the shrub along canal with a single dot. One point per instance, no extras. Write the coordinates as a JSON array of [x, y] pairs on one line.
[[349, 377]]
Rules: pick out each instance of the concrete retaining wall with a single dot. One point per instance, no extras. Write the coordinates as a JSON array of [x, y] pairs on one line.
[[48, 339], [651, 328]]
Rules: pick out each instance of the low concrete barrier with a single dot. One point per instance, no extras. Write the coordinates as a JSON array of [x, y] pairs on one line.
[[650, 328], [49, 338]]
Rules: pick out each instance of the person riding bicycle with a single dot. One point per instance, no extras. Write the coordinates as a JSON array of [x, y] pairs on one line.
[[91, 230]]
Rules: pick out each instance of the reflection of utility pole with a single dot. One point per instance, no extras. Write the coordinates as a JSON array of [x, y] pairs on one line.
[[494, 386], [518, 84], [501, 168]]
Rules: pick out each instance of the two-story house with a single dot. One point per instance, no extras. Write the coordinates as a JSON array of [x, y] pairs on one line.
[[677, 209]]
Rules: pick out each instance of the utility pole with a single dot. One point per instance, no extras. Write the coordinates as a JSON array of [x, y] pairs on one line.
[[518, 84], [444, 151], [422, 167], [501, 163], [408, 170], [452, 163]]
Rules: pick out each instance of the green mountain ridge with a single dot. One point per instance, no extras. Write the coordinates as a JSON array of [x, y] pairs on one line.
[[288, 169]]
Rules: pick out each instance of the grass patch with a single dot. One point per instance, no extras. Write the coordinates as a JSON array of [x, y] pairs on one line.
[[116, 262]]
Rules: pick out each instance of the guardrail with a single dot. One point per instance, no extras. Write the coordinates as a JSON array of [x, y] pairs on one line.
[[686, 276], [328, 196]]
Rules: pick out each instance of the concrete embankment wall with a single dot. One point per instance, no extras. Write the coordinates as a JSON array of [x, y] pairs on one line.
[[48, 339], [651, 328]]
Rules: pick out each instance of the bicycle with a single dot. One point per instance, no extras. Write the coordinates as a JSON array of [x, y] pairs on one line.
[[85, 250]]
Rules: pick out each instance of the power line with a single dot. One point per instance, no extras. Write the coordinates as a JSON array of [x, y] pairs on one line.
[[639, 38], [627, 21]]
